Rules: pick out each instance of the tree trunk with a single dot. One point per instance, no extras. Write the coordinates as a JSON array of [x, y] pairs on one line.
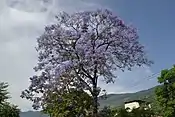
[[95, 108], [95, 100], [95, 92]]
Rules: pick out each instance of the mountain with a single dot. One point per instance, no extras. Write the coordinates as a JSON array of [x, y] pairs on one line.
[[113, 100]]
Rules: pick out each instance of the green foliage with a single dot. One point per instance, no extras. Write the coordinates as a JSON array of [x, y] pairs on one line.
[[70, 104], [156, 108], [7, 109], [142, 112], [114, 112], [165, 94], [3, 92], [107, 112], [122, 113]]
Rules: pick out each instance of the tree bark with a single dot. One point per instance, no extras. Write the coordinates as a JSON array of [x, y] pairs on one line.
[[95, 100], [95, 106]]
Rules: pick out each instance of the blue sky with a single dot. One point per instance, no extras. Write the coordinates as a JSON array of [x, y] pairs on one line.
[[155, 22], [24, 21]]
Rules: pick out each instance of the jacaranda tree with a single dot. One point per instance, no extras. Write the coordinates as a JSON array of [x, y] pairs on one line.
[[84, 47]]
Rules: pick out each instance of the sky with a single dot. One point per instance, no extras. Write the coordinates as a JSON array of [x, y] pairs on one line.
[[22, 21]]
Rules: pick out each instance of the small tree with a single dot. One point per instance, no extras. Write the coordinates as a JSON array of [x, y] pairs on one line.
[[3, 92], [87, 46], [69, 104], [165, 93], [7, 109]]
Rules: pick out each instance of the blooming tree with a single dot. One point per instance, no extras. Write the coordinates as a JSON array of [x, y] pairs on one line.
[[81, 48]]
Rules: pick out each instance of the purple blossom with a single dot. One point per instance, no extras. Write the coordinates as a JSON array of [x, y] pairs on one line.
[[63, 67]]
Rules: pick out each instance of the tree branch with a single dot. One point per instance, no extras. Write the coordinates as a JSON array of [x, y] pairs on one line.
[[86, 72], [81, 80]]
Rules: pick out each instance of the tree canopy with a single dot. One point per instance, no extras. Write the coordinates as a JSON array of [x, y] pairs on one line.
[[70, 104], [165, 93], [82, 48]]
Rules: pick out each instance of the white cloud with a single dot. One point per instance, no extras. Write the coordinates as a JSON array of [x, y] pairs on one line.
[[20, 26], [17, 41]]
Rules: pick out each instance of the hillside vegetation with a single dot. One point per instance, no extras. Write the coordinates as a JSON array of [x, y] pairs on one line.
[[117, 100]]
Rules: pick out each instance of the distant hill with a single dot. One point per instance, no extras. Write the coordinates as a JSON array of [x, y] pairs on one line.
[[117, 100], [32, 114], [113, 100]]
